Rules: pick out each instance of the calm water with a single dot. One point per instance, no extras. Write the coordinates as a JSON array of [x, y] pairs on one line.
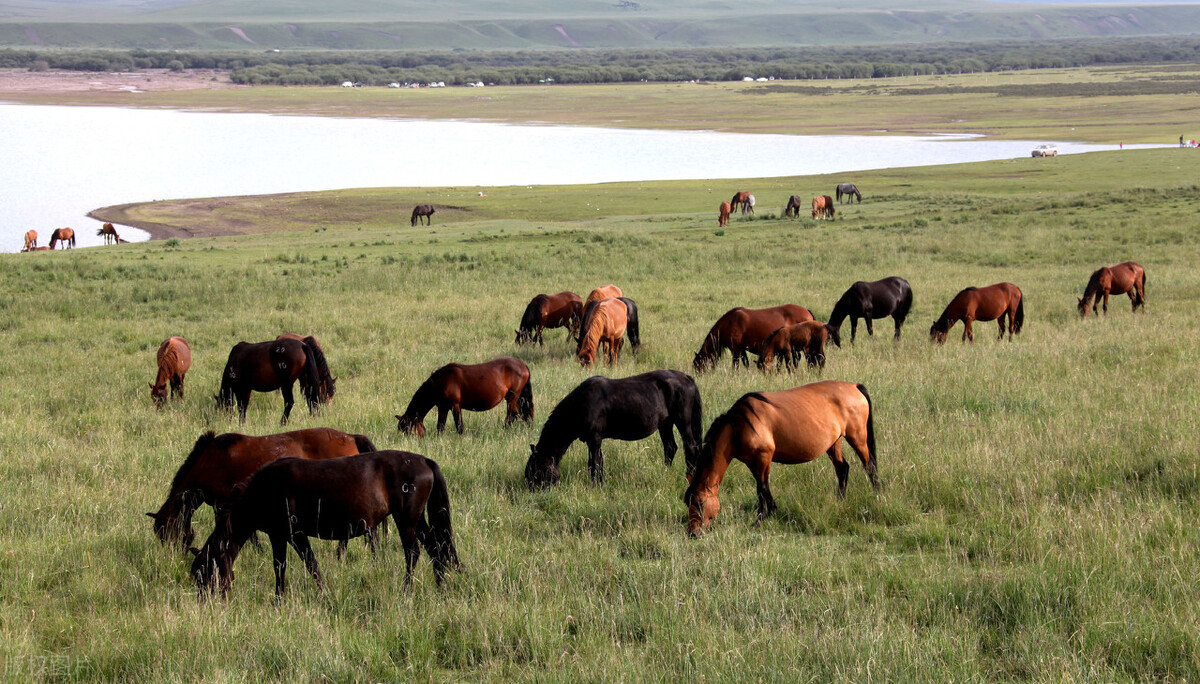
[[58, 163]]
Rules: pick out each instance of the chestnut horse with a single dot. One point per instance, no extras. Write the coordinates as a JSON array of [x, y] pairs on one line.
[[477, 387], [65, 235], [1127, 277], [605, 327], [723, 214], [293, 499], [632, 328], [792, 426], [30, 240], [328, 384], [789, 341], [822, 207], [174, 360], [218, 462], [602, 292], [982, 304], [739, 200], [792, 210], [266, 367], [743, 330], [562, 310], [423, 210], [109, 233]]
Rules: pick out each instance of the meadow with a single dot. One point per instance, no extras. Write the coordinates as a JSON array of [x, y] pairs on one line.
[[1036, 519]]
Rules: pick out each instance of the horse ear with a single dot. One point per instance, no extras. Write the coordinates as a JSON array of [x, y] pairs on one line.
[[194, 551], [398, 416], [153, 515]]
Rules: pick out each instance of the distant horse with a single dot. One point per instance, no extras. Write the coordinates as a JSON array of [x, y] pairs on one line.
[[1127, 277], [787, 343], [293, 499], [748, 205], [723, 215], [30, 240], [605, 327], [218, 462], [982, 304], [743, 330], [174, 360], [792, 426], [848, 190], [874, 299], [65, 235], [109, 233], [562, 310], [266, 367], [328, 384], [822, 207], [425, 210], [603, 292], [739, 200], [631, 326], [792, 210], [478, 387], [627, 409]]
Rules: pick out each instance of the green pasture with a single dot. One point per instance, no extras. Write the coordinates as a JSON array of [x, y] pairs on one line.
[[1037, 520]]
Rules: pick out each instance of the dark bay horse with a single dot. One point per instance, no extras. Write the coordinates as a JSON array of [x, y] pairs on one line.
[[605, 327], [632, 329], [848, 190], [723, 212], [174, 359], [792, 426], [293, 499], [266, 367], [739, 200], [627, 409], [562, 310], [478, 387], [743, 330], [785, 345], [30, 241], [991, 303], [794, 204], [328, 384], [423, 210], [218, 462], [109, 233], [874, 299], [1127, 277], [64, 235]]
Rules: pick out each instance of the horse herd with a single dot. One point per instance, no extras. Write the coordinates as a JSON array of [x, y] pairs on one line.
[[822, 205], [332, 485], [67, 237]]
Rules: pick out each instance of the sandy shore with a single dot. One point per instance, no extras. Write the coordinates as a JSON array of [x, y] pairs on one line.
[[149, 80]]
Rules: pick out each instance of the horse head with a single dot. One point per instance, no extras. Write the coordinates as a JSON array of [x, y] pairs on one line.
[[703, 362], [834, 335], [702, 508], [1083, 308], [158, 393], [540, 471], [937, 331], [410, 425]]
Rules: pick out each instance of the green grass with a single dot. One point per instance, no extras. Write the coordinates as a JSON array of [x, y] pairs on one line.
[[1037, 519]]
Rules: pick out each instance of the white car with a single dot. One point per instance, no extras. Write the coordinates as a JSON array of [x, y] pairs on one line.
[[1045, 151]]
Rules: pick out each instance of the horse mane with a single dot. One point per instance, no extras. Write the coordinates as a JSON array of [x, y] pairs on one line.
[[168, 352], [529, 319], [206, 440], [589, 338], [705, 457], [421, 398], [563, 415], [1093, 284]]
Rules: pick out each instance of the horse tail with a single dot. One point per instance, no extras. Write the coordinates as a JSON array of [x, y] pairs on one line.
[[439, 540], [1020, 318], [322, 367], [631, 324], [871, 452], [364, 444], [1142, 295], [525, 402], [310, 382]]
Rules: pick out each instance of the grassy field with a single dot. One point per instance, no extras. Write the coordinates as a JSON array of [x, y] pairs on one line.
[[1037, 518]]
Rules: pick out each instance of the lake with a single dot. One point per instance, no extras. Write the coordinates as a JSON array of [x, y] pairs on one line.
[[62, 162]]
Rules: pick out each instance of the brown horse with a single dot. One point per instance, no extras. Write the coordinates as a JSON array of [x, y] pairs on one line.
[[328, 384], [723, 214], [1127, 277], [606, 326], [603, 292], [65, 235], [792, 210], [218, 462], [785, 345], [266, 367], [739, 200], [743, 330], [423, 210], [562, 310], [822, 207], [989, 303], [30, 241], [174, 360], [109, 233], [477, 387], [792, 426]]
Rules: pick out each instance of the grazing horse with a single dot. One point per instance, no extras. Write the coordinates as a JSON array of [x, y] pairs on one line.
[[65, 235], [174, 360], [605, 327], [631, 326], [1127, 277], [478, 387], [723, 214], [982, 304], [266, 367], [875, 299], [30, 241], [785, 345], [562, 310], [748, 205], [822, 207], [792, 210], [792, 426], [848, 190], [743, 330], [739, 200], [109, 233], [218, 462], [425, 210], [328, 384], [603, 292], [627, 409], [293, 499]]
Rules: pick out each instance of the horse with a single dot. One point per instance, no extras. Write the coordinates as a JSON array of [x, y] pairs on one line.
[[748, 205], [848, 190], [293, 499], [785, 345], [425, 210], [266, 367], [174, 360], [1127, 277], [628, 409], [65, 235], [822, 207], [602, 292], [723, 216], [875, 299], [478, 387], [792, 210], [631, 326], [30, 241], [739, 200], [792, 426], [982, 304], [219, 462], [606, 326], [562, 310], [109, 233], [743, 330], [328, 383]]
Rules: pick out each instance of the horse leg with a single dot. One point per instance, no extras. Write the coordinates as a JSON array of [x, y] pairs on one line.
[[669, 445], [458, 424], [279, 553], [243, 402], [967, 334], [899, 322], [300, 542], [858, 441], [343, 544], [853, 328], [595, 460], [288, 402], [840, 467], [1000, 322], [442, 411], [177, 386], [412, 551], [762, 476], [1106, 303], [867, 320], [511, 398]]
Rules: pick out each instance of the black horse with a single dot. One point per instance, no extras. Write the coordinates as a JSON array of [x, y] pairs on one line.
[[868, 300], [849, 190], [631, 328], [792, 210], [425, 210], [627, 409], [266, 367]]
